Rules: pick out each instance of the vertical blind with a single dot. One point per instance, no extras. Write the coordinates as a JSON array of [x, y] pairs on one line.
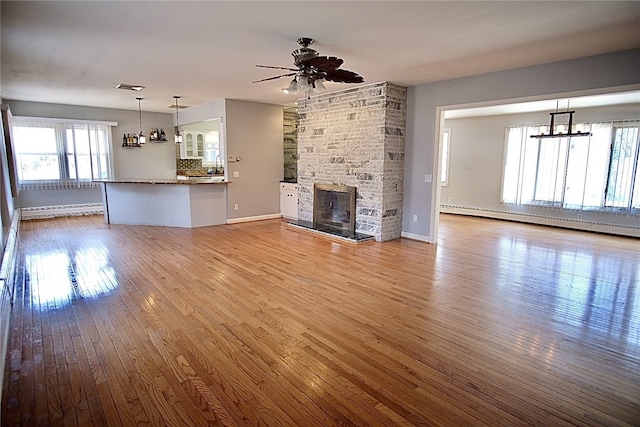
[[596, 172], [60, 153]]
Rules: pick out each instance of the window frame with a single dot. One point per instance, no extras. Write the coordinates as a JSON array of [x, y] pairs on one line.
[[445, 156], [69, 153], [519, 165]]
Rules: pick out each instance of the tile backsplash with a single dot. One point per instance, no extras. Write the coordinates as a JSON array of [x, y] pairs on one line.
[[193, 167], [195, 164]]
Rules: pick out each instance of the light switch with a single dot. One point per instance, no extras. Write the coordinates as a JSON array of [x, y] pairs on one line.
[[427, 178], [236, 174]]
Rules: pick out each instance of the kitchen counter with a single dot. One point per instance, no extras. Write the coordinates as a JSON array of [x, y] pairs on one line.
[[187, 203]]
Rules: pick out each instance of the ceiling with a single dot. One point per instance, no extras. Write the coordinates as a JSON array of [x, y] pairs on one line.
[[75, 52]]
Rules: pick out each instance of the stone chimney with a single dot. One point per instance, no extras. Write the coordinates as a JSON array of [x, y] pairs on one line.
[[355, 137]]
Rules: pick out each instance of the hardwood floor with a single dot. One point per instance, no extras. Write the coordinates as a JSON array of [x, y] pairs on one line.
[[257, 324]]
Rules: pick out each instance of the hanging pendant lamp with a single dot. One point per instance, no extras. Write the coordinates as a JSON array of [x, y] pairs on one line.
[[568, 133], [141, 138], [178, 135]]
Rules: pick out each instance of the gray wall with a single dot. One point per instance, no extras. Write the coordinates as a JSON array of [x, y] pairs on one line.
[[598, 74], [154, 160], [254, 133], [477, 158]]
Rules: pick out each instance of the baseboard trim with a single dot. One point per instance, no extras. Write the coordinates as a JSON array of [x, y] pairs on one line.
[[574, 224], [414, 236], [253, 218], [41, 212]]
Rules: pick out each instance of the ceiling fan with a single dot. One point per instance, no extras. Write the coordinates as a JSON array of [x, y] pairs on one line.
[[312, 70]]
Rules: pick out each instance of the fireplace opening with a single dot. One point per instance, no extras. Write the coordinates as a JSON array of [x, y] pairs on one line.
[[334, 213], [334, 208]]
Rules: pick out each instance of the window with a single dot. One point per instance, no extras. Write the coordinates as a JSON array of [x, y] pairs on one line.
[[446, 147], [596, 172], [211, 147], [623, 168], [61, 154]]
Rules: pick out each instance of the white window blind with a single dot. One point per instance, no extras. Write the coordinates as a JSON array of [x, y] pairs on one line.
[[60, 153], [596, 172]]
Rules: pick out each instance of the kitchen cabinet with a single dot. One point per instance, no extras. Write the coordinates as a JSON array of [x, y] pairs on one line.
[[192, 146], [289, 200]]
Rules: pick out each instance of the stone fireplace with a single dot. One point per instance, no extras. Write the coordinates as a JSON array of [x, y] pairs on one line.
[[334, 208], [355, 137]]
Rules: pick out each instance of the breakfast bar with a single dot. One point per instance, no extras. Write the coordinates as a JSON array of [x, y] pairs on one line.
[[187, 203]]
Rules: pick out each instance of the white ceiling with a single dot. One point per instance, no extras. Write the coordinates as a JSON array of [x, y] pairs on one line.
[[75, 52]]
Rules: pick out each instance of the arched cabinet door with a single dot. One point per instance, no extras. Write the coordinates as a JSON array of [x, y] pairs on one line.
[[192, 146], [198, 147]]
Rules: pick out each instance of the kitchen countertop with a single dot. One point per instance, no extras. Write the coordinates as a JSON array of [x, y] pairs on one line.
[[191, 181]]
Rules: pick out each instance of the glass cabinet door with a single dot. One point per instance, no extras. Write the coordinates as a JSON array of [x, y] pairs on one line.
[[189, 144], [199, 147]]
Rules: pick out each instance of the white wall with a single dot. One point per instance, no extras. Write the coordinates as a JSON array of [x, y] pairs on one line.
[[154, 160], [599, 74], [477, 158]]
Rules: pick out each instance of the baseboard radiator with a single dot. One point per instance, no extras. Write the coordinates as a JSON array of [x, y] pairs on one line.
[[41, 212], [554, 221], [8, 270]]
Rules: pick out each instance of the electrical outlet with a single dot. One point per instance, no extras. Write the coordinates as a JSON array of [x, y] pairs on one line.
[[235, 207], [415, 218], [236, 174], [427, 178], [449, 200]]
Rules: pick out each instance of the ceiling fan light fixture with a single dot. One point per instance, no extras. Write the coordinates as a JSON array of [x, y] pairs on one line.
[[303, 84], [311, 71], [293, 86]]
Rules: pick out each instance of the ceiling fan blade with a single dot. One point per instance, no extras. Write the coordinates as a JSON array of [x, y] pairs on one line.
[[343, 76], [276, 77], [277, 68], [325, 63]]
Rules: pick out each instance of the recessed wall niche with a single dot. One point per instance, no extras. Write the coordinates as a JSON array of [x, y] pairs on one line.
[[290, 122]]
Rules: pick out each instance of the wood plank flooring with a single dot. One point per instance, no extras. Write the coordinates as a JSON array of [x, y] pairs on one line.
[[258, 324]]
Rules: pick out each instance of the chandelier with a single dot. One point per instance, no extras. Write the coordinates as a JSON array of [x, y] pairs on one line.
[[568, 133]]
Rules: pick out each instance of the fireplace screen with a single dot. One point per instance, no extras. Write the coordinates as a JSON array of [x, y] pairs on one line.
[[334, 207]]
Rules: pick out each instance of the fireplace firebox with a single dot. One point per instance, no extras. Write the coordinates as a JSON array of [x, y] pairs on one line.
[[334, 207]]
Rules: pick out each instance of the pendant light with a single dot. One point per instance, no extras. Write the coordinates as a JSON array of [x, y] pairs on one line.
[[568, 133], [178, 135], [141, 137]]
